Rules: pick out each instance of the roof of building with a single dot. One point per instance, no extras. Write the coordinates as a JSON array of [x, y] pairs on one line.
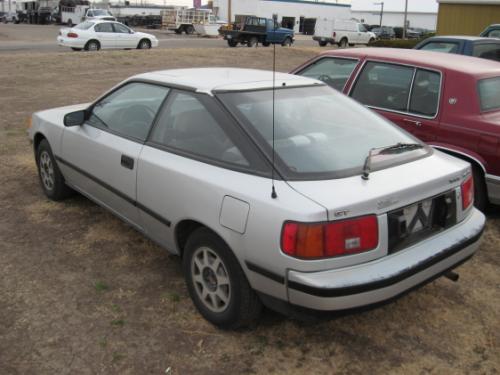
[[225, 79], [470, 65]]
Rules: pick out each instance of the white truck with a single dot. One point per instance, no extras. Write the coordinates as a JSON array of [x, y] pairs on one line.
[[342, 32], [182, 19], [79, 13]]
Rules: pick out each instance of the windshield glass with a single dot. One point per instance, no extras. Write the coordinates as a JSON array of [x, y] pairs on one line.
[[489, 94], [84, 25], [100, 12], [318, 131]]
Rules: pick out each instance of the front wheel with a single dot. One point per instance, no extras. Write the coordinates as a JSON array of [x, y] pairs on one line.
[[287, 42], [480, 192], [93, 45], [322, 43], [51, 178], [266, 44], [371, 41], [189, 29], [144, 44], [216, 282]]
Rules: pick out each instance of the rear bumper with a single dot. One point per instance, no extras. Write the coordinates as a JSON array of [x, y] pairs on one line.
[[70, 42], [493, 188], [388, 277], [323, 39]]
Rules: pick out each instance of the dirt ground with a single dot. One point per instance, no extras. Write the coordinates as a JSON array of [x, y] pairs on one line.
[[83, 293]]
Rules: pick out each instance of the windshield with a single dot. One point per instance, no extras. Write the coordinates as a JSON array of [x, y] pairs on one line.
[[489, 94], [319, 133], [100, 12], [84, 25]]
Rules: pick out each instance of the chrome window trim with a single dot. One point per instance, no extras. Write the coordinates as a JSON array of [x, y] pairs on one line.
[[415, 67]]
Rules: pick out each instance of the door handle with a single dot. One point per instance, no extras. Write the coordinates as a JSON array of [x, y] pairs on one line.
[[414, 122], [127, 162]]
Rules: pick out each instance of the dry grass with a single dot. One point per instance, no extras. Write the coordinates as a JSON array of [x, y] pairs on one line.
[[139, 318]]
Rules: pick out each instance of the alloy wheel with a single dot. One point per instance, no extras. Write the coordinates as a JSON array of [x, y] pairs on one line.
[[46, 170]]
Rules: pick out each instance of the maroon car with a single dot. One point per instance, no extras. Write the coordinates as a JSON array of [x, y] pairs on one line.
[[450, 102]]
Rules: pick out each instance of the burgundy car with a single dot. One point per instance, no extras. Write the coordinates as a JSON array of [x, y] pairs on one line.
[[450, 102]]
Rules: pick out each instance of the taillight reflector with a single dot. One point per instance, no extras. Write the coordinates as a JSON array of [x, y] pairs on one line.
[[72, 35], [330, 239], [467, 189]]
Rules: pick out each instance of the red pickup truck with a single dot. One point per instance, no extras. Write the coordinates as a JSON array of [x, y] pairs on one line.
[[450, 102]]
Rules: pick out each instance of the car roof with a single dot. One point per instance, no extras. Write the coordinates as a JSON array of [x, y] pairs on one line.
[[462, 37], [210, 80], [471, 65]]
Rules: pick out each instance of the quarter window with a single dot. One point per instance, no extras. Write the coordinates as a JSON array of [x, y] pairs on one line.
[[425, 93], [334, 72], [487, 51], [384, 85], [130, 110], [104, 28], [186, 125]]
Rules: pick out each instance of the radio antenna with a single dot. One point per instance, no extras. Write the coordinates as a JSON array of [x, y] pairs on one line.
[[273, 190]]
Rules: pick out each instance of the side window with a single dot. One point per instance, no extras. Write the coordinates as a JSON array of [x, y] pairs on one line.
[[130, 110], [332, 71], [104, 28], [448, 47], [187, 125], [120, 28], [383, 85], [487, 51], [494, 33], [425, 93]]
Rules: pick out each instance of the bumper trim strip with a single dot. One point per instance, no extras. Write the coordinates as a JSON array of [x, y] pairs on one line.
[[266, 273], [379, 284]]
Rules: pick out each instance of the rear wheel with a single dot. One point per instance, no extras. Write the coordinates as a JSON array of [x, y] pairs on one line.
[[92, 45], [232, 43], [51, 178], [189, 29], [252, 42], [343, 43], [216, 282], [322, 43], [266, 44]]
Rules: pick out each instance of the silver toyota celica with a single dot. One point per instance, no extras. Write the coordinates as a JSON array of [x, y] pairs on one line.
[[308, 202]]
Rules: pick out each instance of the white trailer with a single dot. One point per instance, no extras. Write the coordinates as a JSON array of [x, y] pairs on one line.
[[183, 19]]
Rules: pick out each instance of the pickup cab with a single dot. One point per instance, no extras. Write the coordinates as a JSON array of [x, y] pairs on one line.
[[341, 32], [257, 30]]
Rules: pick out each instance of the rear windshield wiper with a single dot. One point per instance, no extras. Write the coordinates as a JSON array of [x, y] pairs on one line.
[[398, 148]]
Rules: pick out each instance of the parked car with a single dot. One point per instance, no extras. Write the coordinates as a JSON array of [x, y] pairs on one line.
[[384, 32], [410, 33], [452, 104], [492, 31], [257, 30], [7, 17], [185, 157], [94, 35], [486, 48], [342, 32]]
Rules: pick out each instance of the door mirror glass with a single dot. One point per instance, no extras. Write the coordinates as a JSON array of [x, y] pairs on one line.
[[76, 118]]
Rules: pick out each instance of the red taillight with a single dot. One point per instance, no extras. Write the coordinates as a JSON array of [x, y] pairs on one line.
[[467, 189], [334, 34], [330, 239], [72, 35]]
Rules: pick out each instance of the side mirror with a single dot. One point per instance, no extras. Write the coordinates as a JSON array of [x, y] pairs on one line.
[[76, 118]]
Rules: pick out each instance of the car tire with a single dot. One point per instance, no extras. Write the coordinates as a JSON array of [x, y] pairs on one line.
[[232, 43], [343, 43], [92, 45], [178, 31], [221, 294], [322, 43], [252, 42], [266, 44], [144, 44], [287, 42], [76, 49], [189, 29], [480, 192], [51, 178], [372, 40], [70, 23]]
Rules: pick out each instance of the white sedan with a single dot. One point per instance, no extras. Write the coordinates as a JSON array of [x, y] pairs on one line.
[[94, 35]]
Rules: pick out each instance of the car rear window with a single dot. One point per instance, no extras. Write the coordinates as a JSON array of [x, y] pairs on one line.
[[447, 47], [333, 71], [318, 132], [489, 94]]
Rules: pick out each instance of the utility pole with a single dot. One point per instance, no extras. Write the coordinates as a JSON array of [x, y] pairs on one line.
[[381, 11], [406, 19], [228, 11]]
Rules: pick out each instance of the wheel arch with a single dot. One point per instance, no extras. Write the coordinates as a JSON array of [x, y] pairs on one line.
[[144, 39], [92, 40], [37, 139]]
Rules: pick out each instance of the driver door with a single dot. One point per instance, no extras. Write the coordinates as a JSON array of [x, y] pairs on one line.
[[100, 157], [105, 34]]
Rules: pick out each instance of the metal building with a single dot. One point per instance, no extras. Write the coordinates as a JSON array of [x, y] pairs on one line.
[[292, 14], [466, 17]]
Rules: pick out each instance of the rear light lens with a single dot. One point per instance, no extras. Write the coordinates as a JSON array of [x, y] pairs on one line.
[[334, 34], [72, 35], [467, 189], [330, 239]]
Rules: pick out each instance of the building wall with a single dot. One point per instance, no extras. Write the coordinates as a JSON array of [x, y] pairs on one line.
[[466, 19], [423, 20], [284, 8]]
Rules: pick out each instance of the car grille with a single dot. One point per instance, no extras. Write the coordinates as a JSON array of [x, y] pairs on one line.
[[418, 221]]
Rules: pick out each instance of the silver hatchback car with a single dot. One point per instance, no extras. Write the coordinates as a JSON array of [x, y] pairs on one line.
[[308, 200]]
